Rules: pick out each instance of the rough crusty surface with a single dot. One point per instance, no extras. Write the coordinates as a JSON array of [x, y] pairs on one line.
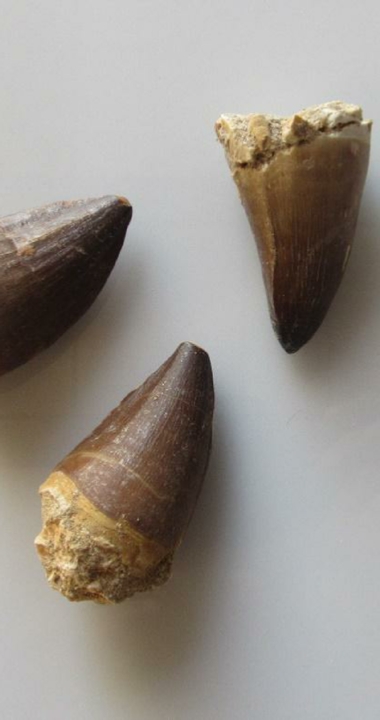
[[255, 139], [88, 556]]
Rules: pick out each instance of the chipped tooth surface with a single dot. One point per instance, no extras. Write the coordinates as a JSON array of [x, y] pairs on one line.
[[88, 556], [246, 136]]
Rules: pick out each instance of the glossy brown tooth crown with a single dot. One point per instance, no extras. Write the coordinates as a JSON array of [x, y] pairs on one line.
[[54, 261], [139, 473], [145, 463], [300, 180]]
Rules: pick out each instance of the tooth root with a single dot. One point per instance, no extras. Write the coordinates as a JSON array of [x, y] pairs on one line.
[[300, 180], [54, 261], [116, 508]]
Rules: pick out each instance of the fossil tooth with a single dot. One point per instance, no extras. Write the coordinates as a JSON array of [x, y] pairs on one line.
[[115, 509], [300, 180], [54, 261]]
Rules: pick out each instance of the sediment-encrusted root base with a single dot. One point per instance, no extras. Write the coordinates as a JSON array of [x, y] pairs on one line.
[[255, 140], [89, 556]]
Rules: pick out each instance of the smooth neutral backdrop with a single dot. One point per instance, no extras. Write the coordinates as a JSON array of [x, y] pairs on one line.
[[273, 609]]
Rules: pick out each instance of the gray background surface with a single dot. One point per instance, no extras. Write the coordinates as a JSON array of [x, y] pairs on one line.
[[273, 609]]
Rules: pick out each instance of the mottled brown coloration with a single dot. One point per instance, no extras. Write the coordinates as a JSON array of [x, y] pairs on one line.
[[300, 180], [140, 472], [54, 261]]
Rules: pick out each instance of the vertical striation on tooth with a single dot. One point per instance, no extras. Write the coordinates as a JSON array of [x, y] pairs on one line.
[[116, 508], [54, 261], [300, 180]]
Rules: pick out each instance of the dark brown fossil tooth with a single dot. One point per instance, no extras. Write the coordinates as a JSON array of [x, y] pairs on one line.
[[115, 509], [300, 180], [54, 261]]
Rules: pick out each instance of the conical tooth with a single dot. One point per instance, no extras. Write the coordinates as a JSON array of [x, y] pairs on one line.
[[54, 261], [115, 509], [300, 180]]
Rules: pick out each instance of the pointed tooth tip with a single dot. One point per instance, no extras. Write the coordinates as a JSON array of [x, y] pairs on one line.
[[118, 207], [193, 359], [291, 349], [110, 202], [118, 201], [188, 348], [121, 201], [112, 199], [188, 345], [292, 343], [111, 207]]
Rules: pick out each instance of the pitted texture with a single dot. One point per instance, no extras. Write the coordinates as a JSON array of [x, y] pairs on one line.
[[88, 556], [255, 139]]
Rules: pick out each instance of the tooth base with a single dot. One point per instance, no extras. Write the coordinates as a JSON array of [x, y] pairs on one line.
[[256, 139], [89, 556]]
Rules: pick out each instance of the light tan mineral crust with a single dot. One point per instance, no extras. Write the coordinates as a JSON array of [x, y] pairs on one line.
[[255, 139], [90, 556]]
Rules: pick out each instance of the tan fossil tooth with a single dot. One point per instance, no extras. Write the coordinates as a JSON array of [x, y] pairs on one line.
[[116, 508], [300, 180], [54, 261]]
